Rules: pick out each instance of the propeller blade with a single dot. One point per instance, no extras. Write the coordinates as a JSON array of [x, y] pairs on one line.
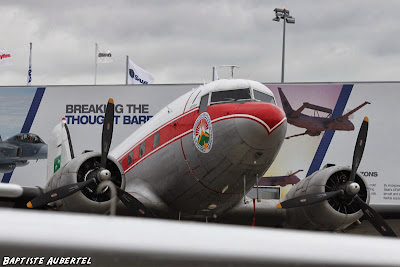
[[106, 136], [133, 204], [307, 200], [359, 148], [58, 193], [375, 219]]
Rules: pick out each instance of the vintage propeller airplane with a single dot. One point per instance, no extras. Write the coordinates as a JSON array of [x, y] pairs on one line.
[[196, 159]]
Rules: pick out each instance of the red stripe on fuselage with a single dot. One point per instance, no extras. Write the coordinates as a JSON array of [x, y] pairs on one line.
[[182, 125], [156, 130]]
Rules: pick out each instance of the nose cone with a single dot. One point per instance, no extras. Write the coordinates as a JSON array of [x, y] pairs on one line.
[[261, 125]]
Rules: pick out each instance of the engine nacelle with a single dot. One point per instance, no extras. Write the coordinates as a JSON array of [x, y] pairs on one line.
[[334, 214], [80, 169], [11, 151]]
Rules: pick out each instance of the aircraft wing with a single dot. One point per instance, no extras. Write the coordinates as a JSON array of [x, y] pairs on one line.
[[123, 241], [346, 116], [296, 172], [310, 106], [13, 195]]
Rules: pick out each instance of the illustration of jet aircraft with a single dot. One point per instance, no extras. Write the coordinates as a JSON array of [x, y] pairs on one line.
[[291, 178], [167, 169], [314, 125], [18, 149]]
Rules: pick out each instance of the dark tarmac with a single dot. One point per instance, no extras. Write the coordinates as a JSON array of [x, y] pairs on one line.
[[365, 228]]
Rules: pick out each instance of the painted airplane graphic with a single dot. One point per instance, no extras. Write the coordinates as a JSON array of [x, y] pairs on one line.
[[280, 180], [162, 171], [314, 125], [17, 150]]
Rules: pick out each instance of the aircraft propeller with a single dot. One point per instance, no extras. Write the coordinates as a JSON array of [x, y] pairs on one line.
[[102, 175], [349, 190]]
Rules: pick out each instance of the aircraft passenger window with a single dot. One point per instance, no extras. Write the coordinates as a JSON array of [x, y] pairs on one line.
[[203, 103], [264, 97], [156, 139], [130, 158], [142, 147], [230, 96]]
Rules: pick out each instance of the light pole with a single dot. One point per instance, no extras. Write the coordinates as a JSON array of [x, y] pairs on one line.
[[283, 14]]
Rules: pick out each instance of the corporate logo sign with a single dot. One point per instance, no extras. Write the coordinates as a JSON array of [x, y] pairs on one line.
[[137, 78], [137, 75], [105, 55], [5, 58]]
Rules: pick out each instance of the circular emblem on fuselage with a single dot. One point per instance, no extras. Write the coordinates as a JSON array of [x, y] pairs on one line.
[[202, 133]]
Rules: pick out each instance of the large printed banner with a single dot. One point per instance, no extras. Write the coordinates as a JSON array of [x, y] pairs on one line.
[[309, 148], [314, 139], [38, 110]]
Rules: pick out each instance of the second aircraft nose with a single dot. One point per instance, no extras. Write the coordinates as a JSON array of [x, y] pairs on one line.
[[261, 125]]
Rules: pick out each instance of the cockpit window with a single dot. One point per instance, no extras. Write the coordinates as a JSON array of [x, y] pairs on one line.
[[230, 96], [264, 97], [28, 137], [203, 103]]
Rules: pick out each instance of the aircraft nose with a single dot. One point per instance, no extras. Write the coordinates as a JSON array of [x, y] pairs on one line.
[[261, 125]]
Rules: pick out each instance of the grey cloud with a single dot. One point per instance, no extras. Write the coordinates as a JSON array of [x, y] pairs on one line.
[[179, 41]]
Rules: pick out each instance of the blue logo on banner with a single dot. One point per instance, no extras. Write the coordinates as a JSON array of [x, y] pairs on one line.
[[134, 76], [131, 73]]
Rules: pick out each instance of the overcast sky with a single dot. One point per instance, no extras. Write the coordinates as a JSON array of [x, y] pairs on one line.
[[179, 41]]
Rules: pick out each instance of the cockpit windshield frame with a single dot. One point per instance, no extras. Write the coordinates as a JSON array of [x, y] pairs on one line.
[[227, 96], [28, 138], [245, 95], [267, 98]]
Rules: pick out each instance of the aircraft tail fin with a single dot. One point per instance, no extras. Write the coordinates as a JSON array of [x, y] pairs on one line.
[[285, 103], [60, 150], [0, 138]]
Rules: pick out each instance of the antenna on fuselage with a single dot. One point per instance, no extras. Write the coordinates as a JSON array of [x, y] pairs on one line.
[[223, 66]]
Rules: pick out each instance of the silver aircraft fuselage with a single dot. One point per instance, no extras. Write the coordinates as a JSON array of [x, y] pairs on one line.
[[202, 159]]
